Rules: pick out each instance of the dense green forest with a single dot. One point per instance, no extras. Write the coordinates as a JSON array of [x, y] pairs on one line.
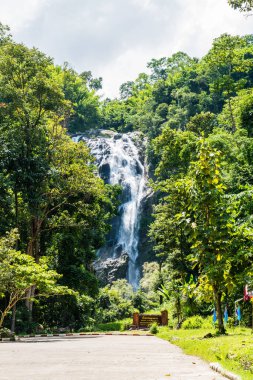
[[55, 211]]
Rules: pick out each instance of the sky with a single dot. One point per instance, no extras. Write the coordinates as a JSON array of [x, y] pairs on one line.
[[116, 38]]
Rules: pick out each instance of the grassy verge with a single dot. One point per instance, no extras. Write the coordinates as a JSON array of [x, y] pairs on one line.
[[233, 351]]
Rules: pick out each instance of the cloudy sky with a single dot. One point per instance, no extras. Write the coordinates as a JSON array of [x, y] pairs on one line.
[[116, 38]]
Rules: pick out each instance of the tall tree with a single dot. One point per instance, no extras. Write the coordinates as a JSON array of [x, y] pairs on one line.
[[32, 93]]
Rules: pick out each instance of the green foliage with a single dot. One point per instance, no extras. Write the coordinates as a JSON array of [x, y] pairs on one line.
[[196, 322], [114, 326], [241, 107], [5, 36], [180, 88], [202, 123], [242, 5], [175, 150], [79, 90], [19, 273], [5, 333], [115, 301], [154, 329]]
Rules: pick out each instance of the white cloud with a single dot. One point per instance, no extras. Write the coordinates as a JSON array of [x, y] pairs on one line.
[[116, 38], [20, 14]]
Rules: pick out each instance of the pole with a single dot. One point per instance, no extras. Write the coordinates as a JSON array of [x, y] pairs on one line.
[[252, 315]]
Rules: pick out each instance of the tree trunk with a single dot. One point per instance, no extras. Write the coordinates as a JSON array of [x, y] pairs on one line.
[[217, 300], [4, 313], [14, 310], [252, 316], [33, 249], [2, 320], [178, 308], [232, 116], [13, 319]]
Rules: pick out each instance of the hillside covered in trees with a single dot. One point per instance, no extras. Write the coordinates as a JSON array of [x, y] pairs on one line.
[[55, 211]]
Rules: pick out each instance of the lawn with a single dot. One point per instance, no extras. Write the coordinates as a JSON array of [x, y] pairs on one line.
[[233, 351]]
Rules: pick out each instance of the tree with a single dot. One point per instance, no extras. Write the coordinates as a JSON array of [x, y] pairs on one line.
[[93, 83], [80, 90], [115, 301], [174, 151], [113, 117], [242, 108], [242, 5], [151, 281], [126, 90], [5, 36], [202, 236], [158, 69], [19, 272], [214, 230], [228, 65], [32, 93], [202, 123]]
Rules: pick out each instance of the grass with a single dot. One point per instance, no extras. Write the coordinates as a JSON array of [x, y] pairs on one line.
[[233, 351]]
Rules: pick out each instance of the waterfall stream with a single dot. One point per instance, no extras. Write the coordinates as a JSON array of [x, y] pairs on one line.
[[119, 162]]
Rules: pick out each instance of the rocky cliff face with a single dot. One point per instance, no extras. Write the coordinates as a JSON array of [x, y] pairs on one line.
[[110, 269], [121, 160]]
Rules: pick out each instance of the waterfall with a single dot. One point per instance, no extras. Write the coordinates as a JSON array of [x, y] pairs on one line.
[[118, 160]]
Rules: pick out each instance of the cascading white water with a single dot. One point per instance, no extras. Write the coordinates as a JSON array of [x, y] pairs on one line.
[[119, 162]]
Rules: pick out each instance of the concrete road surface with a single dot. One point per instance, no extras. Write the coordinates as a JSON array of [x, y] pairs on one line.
[[99, 358]]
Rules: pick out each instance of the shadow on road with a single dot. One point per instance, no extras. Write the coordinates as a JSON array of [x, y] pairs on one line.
[[54, 339]]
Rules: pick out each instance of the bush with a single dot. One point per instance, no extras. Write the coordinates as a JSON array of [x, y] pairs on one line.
[[115, 302], [231, 322], [196, 322], [114, 326], [111, 326], [154, 328], [5, 333]]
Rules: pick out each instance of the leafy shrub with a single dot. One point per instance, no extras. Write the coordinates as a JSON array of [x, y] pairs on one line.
[[126, 324], [115, 302], [231, 322], [111, 326], [196, 322], [5, 333], [114, 326], [154, 328]]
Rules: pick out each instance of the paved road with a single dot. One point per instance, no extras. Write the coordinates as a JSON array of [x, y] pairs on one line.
[[99, 358]]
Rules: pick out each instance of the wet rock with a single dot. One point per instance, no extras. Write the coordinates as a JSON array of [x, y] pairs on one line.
[[104, 172], [145, 246], [111, 269]]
